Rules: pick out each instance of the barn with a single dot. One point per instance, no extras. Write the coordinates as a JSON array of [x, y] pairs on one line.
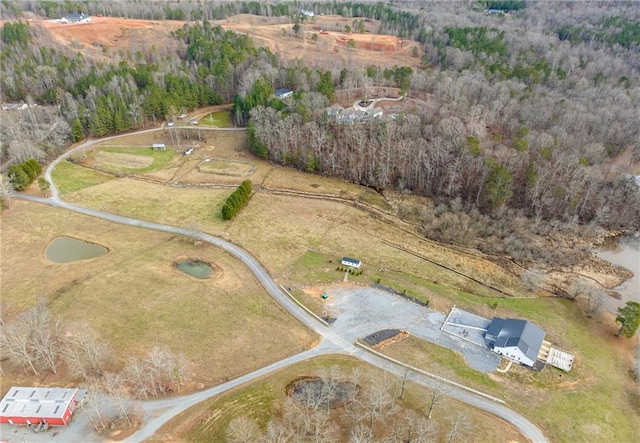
[[32, 406]]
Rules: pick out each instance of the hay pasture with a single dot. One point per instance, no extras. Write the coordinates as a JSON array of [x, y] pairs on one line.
[[135, 298]]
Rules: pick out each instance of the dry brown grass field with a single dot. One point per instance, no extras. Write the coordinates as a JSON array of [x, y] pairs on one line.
[[135, 298]]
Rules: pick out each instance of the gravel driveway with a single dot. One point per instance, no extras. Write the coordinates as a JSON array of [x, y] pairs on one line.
[[361, 311]]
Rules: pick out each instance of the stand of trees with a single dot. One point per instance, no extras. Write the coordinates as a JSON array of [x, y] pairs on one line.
[[372, 411], [237, 200], [23, 174]]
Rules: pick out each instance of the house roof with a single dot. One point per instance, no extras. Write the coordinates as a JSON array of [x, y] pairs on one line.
[[512, 332], [350, 260], [282, 91], [37, 402], [75, 16]]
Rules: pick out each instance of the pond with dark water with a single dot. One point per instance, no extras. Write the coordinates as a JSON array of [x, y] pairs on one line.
[[623, 251], [195, 268], [67, 250]]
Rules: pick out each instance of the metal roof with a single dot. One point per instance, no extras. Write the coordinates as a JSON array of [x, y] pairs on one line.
[[350, 260], [37, 402], [518, 333]]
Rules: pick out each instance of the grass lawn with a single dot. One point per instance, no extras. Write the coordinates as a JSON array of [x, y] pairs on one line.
[[593, 402], [216, 119], [135, 298], [70, 177], [260, 401], [191, 207], [121, 159]]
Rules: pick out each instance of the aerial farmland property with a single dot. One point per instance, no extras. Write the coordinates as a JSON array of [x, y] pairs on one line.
[[279, 221]]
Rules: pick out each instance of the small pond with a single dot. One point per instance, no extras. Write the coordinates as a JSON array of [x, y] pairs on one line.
[[195, 268], [67, 250]]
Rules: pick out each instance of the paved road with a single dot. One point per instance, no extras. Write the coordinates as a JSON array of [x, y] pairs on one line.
[[158, 412]]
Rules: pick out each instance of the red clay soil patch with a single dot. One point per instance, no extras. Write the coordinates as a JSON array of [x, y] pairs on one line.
[[110, 31], [372, 42]]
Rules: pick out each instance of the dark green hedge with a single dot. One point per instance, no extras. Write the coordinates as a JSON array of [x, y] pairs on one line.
[[236, 201]]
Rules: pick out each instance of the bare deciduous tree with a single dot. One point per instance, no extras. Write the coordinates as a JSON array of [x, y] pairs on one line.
[[84, 351], [533, 279], [32, 340], [159, 372], [460, 427], [242, 430], [438, 391]]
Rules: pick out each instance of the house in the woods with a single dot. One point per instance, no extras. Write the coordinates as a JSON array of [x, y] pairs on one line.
[[283, 93]]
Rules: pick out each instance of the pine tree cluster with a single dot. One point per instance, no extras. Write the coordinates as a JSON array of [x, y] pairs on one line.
[[236, 201], [23, 174]]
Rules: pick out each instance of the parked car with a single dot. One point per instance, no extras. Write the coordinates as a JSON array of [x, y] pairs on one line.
[[193, 121], [170, 123]]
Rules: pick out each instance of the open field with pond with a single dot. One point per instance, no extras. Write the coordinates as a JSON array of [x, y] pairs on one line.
[[263, 399], [300, 239], [136, 299]]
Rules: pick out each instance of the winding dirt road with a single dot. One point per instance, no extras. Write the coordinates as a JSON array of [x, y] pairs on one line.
[[158, 412]]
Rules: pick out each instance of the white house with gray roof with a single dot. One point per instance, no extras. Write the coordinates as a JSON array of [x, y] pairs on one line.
[[518, 340]]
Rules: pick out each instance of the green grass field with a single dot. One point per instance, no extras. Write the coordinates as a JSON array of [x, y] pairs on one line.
[[70, 177], [160, 157], [216, 119]]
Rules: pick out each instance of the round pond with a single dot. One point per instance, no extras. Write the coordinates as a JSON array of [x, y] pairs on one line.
[[195, 268], [68, 249]]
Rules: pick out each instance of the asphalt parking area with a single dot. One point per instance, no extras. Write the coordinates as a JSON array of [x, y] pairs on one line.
[[361, 311]]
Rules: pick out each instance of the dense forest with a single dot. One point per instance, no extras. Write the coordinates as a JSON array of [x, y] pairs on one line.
[[527, 115]]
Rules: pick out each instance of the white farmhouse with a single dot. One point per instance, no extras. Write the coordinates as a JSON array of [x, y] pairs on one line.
[[518, 340]]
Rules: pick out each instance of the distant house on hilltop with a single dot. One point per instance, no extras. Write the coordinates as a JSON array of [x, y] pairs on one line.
[[76, 18], [518, 340]]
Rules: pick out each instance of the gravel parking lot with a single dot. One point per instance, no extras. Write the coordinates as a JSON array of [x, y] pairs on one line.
[[361, 311]]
